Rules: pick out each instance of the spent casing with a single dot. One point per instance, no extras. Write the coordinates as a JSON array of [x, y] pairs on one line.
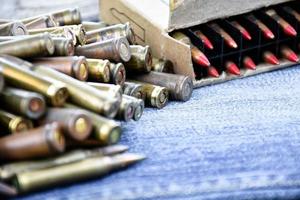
[[117, 73], [11, 123], [98, 70], [140, 61]]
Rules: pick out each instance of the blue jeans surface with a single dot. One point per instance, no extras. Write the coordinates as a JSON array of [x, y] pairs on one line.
[[237, 140]]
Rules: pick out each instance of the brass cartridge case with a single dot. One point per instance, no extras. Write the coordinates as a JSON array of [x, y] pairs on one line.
[[140, 61], [162, 65], [22, 102], [18, 74], [63, 46], [61, 31], [7, 171], [11, 123], [68, 16], [81, 170], [112, 90], [110, 32], [41, 22], [139, 106], [99, 70], [75, 123], [155, 96], [117, 73], [134, 90], [35, 143], [180, 87], [126, 110], [113, 49], [28, 47], [74, 66], [105, 131], [82, 94], [89, 26], [13, 28]]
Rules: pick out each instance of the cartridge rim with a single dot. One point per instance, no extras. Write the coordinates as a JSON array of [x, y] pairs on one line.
[[129, 33], [159, 97], [148, 59], [69, 47], [186, 88], [80, 68], [81, 127], [126, 111], [109, 134], [119, 74], [49, 44], [55, 138], [123, 48], [58, 94], [35, 107], [139, 109], [18, 28], [19, 124]]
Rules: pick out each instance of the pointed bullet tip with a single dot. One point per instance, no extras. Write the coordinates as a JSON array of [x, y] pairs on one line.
[[268, 34], [232, 68], [212, 71], [289, 30], [232, 44], [249, 63], [246, 35], [271, 58]]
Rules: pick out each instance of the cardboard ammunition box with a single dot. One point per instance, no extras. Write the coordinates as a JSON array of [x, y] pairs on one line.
[[153, 20]]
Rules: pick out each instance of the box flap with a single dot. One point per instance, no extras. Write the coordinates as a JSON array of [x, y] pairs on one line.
[[187, 13]]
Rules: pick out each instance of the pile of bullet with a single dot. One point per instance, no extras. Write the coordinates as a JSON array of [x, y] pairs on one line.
[[63, 92], [244, 42]]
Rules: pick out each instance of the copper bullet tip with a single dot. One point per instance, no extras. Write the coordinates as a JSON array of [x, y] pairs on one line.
[[271, 58], [249, 63], [232, 68], [212, 72]]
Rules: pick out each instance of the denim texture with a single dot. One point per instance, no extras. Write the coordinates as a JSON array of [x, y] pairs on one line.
[[236, 140]]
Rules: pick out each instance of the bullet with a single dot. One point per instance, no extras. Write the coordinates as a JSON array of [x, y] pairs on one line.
[[267, 33], [246, 35], [126, 110], [292, 12], [12, 29], [289, 54], [41, 22], [75, 123], [270, 58], [180, 87], [112, 90], [232, 68], [98, 70], [155, 96], [207, 43], [29, 104], [117, 73], [39, 45], [75, 33], [111, 32], [74, 66], [114, 50], [82, 94], [162, 65], [17, 73], [105, 131], [13, 124], [249, 63], [139, 106], [7, 171], [67, 16], [229, 41], [287, 28], [35, 143], [81, 170], [212, 72], [197, 55], [134, 90], [89, 26], [7, 190], [140, 61], [63, 47]]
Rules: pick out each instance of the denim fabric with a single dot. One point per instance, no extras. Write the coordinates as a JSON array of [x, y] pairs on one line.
[[237, 140]]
